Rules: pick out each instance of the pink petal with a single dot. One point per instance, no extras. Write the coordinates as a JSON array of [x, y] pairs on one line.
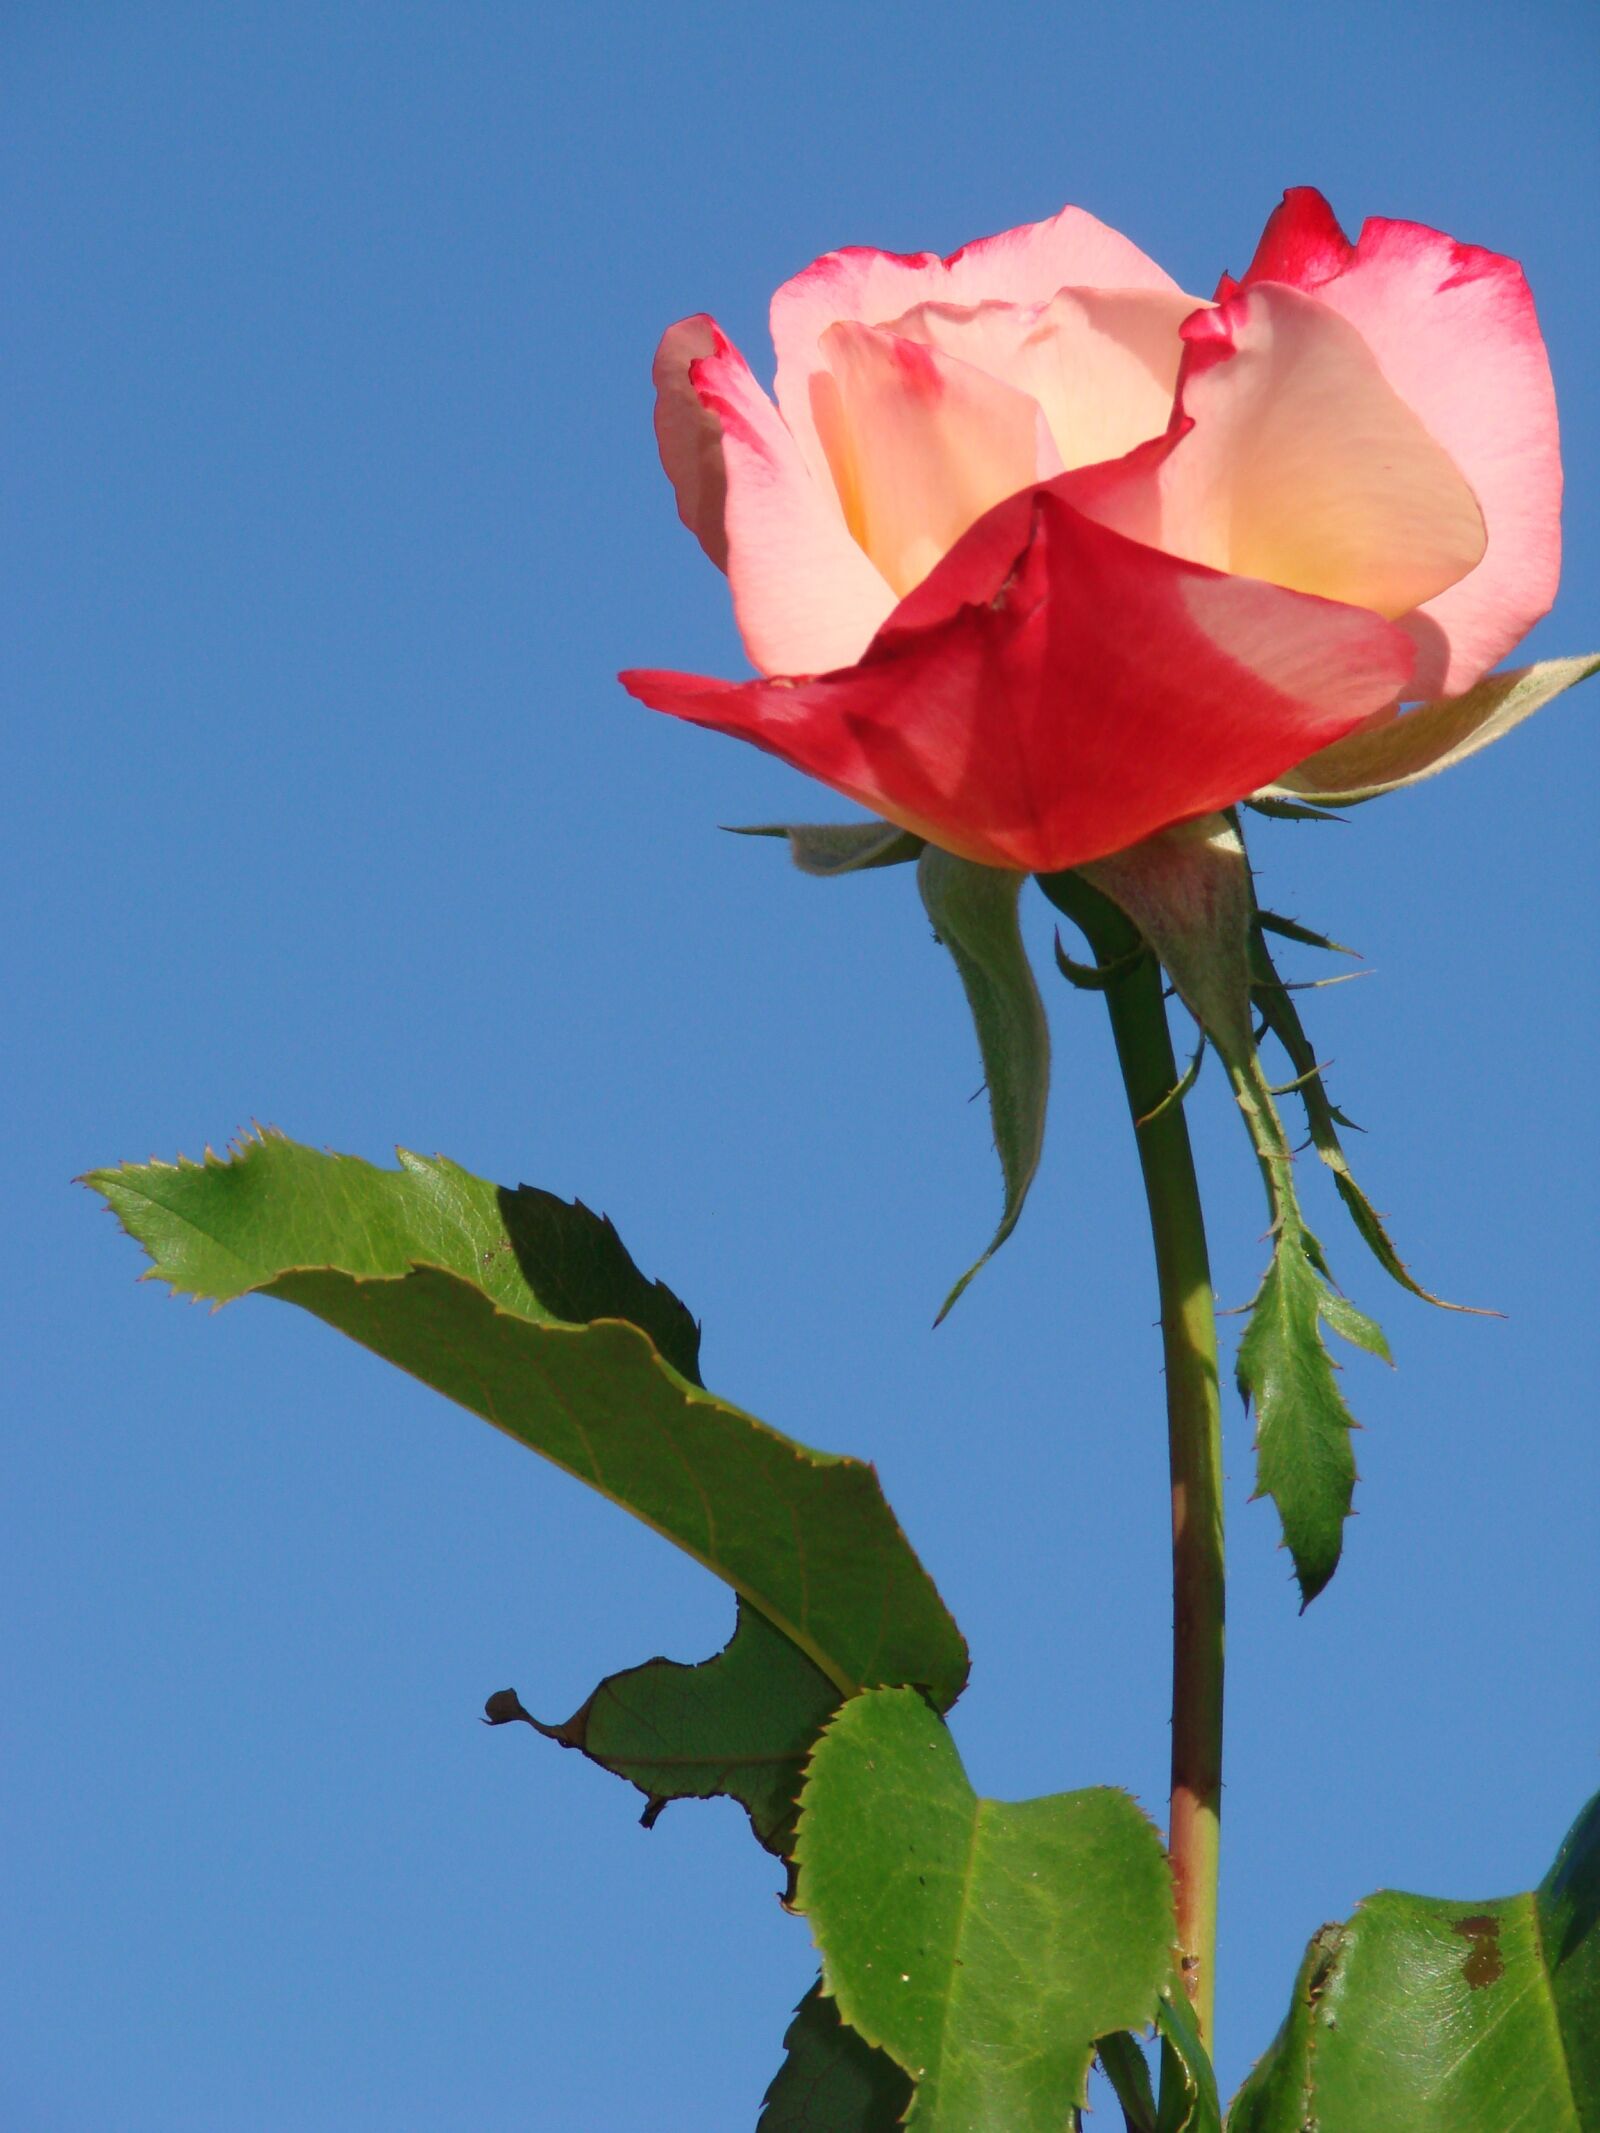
[[689, 435], [1102, 692], [919, 445], [1101, 363], [1294, 461], [1021, 266], [805, 596], [1453, 330]]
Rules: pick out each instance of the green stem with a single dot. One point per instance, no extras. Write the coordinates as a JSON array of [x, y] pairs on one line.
[[1194, 1421]]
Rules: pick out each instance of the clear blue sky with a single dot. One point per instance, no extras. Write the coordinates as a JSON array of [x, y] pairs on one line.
[[333, 511]]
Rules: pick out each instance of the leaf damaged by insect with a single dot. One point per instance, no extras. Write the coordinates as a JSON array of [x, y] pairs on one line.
[[738, 1725]]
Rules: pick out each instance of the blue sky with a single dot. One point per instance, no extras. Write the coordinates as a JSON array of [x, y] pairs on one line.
[[334, 512]]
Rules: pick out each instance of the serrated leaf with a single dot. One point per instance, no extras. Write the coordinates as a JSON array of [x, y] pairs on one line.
[[1423, 2016], [829, 848], [1420, 743], [984, 1945], [831, 2080], [449, 1279], [974, 911], [737, 1725], [1303, 1457]]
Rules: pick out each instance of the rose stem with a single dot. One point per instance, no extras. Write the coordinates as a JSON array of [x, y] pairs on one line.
[[1194, 1421]]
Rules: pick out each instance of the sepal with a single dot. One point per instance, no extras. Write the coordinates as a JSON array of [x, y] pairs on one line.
[[1407, 746], [829, 848], [975, 910]]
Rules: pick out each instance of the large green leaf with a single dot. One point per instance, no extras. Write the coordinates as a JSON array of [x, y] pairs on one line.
[[529, 1313], [831, 2079], [974, 913], [739, 1724], [1421, 2016], [983, 1945]]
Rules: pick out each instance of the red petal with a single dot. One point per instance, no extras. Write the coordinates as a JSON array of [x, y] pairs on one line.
[[1302, 243], [1098, 692]]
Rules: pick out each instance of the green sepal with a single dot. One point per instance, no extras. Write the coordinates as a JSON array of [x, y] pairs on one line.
[[831, 2079], [465, 1286], [1419, 743], [1095, 977], [984, 1945], [1424, 2016], [1180, 1089], [1281, 810], [1188, 891], [974, 910], [829, 848]]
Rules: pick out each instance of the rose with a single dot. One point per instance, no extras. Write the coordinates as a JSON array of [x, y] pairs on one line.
[[1036, 555]]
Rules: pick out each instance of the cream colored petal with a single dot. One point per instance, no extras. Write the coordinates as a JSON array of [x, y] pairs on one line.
[[1295, 461], [1020, 266], [1102, 363], [919, 445], [1329, 483]]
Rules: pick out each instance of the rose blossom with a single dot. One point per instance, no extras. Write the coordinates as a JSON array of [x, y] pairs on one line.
[[1036, 554]]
